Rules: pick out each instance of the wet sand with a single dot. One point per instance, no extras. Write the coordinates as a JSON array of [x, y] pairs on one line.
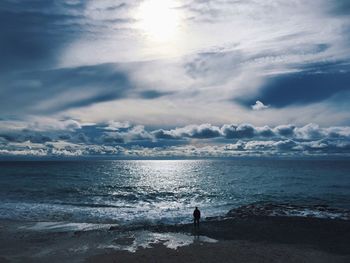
[[253, 239], [224, 251], [250, 239]]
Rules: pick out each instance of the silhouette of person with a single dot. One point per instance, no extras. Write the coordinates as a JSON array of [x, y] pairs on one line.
[[196, 217]]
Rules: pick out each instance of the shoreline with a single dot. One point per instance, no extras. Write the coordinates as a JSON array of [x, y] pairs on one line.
[[248, 238], [321, 233], [223, 251]]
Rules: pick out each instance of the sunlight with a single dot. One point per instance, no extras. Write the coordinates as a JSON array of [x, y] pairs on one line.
[[159, 19]]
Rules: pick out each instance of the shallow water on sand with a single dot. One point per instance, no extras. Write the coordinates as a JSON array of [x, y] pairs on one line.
[[163, 191]]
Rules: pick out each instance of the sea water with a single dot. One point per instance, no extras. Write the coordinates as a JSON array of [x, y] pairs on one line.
[[163, 191]]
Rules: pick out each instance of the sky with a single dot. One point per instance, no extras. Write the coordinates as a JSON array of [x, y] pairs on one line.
[[174, 78]]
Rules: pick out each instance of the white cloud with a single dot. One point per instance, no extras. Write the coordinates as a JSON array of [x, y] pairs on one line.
[[259, 106], [116, 125], [204, 140]]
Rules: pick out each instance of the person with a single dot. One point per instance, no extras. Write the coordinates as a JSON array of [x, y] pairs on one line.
[[196, 217]]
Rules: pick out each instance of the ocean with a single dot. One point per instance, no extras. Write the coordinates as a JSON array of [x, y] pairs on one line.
[[163, 191]]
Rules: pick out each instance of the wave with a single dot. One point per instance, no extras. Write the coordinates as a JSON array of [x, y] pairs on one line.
[[94, 205]]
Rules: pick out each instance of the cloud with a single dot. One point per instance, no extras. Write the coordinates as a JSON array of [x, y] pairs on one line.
[[153, 94], [203, 131], [61, 89], [238, 131], [126, 134], [123, 140], [116, 125], [313, 85], [34, 33], [88, 61], [341, 7], [259, 106], [58, 90], [285, 130]]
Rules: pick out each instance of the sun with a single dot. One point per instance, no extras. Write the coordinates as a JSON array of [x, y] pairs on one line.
[[159, 20]]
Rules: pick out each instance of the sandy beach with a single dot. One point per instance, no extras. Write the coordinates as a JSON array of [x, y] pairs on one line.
[[224, 251], [249, 239]]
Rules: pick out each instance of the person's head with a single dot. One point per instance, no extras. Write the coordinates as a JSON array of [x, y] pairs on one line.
[[196, 208]]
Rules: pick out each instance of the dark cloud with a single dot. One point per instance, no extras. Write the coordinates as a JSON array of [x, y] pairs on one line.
[[285, 130], [238, 131], [24, 136], [341, 7], [55, 90], [312, 85], [34, 32], [59, 89], [266, 131], [112, 138], [153, 94], [203, 131], [164, 134], [286, 145]]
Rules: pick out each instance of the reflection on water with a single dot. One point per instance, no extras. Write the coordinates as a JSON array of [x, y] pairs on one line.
[[144, 192], [147, 239]]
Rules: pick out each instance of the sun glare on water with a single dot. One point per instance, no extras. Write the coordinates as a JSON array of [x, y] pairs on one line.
[[159, 19]]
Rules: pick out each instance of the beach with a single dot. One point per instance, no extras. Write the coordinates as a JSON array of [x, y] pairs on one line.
[[224, 251], [248, 239], [141, 211]]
